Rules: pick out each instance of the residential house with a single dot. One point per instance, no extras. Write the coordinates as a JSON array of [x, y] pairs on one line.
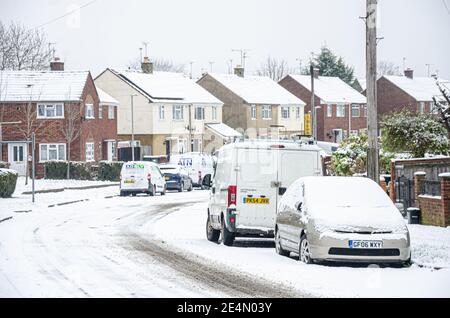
[[340, 108], [395, 93], [169, 110], [62, 108], [256, 105]]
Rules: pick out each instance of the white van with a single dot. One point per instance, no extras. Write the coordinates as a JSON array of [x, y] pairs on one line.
[[197, 164], [249, 180], [141, 177]]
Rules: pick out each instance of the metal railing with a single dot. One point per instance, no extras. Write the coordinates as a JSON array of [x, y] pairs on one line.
[[432, 188]]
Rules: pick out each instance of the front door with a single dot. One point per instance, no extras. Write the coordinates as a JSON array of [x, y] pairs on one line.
[[17, 156]]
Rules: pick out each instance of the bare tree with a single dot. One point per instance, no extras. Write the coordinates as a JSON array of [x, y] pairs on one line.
[[442, 104], [22, 48], [387, 68], [274, 68], [159, 64], [71, 129]]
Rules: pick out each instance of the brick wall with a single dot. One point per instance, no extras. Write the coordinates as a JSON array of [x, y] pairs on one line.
[[390, 98], [325, 124]]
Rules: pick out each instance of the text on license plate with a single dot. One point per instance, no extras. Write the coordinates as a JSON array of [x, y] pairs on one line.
[[129, 181], [365, 244], [256, 200]]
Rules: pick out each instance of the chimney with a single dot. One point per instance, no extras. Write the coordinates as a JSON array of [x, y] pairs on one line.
[[409, 73], [147, 66], [316, 73], [56, 65], [239, 71]]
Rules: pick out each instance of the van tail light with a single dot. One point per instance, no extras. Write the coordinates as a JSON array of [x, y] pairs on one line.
[[232, 189], [149, 177]]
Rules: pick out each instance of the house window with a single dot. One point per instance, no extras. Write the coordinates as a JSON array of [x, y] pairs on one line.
[[355, 110], [100, 112], [340, 110], [161, 112], [110, 112], [199, 112], [89, 111], [421, 107], [297, 112], [253, 112], [285, 112], [329, 110], [177, 111], [365, 110], [214, 112], [50, 110], [52, 152], [90, 156], [267, 112]]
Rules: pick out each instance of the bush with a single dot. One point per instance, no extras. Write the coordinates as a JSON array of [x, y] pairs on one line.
[[8, 180], [4, 165], [58, 170], [109, 170]]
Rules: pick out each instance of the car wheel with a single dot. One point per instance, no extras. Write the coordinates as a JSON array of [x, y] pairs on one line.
[[164, 191], [305, 252], [211, 234], [278, 247], [227, 237], [133, 194], [180, 189], [190, 187], [122, 193]]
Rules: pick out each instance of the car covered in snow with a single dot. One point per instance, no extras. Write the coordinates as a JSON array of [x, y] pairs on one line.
[[177, 178], [250, 177], [141, 177], [341, 219]]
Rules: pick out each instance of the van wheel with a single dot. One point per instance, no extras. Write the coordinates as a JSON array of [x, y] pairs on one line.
[[122, 193], [190, 187], [211, 234], [305, 251], [278, 246], [227, 236], [133, 194], [164, 191]]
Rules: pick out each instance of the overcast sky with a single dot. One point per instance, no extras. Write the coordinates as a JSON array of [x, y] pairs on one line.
[[109, 33]]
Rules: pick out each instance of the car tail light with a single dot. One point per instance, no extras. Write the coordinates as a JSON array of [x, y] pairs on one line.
[[232, 189]]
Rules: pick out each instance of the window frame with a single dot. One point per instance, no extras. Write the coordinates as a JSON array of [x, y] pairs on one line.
[[178, 109], [340, 107], [329, 110], [111, 112], [253, 112], [162, 112], [100, 111], [86, 151], [298, 112], [214, 112], [199, 110], [353, 107], [86, 108], [268, 109], [47, 151], [45, 105], [285, 112]]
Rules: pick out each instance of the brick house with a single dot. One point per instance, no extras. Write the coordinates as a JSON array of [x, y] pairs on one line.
[[256, 105], [51, 104], [341, 109], [395, 93]]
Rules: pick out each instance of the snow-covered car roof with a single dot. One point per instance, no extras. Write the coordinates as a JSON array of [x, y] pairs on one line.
[[257, 89], [331, 90], [42, 86]]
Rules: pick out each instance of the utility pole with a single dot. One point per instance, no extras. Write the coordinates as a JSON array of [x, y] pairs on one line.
[[313, 106], [191, 144], [371, 77], [191, 63], [299, 60], [33, 162], [132, 127]]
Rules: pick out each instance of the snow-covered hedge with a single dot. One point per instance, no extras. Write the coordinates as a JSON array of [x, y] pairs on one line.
[[78, 170], [109, 170], [4, 165], [8, 180]]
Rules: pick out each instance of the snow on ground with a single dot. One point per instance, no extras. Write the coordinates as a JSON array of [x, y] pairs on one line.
[[46, 184], [430, 245]]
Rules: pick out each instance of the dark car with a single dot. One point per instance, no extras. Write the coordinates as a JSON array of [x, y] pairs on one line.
[[177, 178]]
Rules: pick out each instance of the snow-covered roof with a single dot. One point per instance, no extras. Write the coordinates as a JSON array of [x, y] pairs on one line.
[[257, 89], [223, 130], [106, 99], [168, 87], [19, 86], [422, 89], [331, 90]]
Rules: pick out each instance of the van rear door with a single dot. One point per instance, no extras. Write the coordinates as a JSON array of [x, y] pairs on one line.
[[256, 188]]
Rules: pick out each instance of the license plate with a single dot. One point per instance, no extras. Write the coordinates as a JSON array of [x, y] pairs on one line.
[[365, 244], [129, 181], [256, 200]]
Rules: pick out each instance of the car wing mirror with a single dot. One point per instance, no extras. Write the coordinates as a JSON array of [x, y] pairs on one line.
[[298, 206]]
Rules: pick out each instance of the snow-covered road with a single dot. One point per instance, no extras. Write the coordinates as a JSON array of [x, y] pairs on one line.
[[105, 247], [144, 246]]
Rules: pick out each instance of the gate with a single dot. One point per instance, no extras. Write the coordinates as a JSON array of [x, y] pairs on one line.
[[405, 192]]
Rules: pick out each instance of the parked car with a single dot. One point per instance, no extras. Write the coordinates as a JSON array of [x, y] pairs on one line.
[[177, 178], [250, 178], [340, 219], [141, 177], [197, 164], [156, 159]]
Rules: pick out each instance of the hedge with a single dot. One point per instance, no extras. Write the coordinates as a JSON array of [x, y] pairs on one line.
[[58, 170], [8, 180], [109, 170], [4, 165]]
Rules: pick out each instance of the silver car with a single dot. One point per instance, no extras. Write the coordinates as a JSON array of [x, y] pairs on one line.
[[341, 219]]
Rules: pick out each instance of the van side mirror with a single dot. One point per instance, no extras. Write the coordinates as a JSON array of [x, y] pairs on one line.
[[207, 181], [298, 206]]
